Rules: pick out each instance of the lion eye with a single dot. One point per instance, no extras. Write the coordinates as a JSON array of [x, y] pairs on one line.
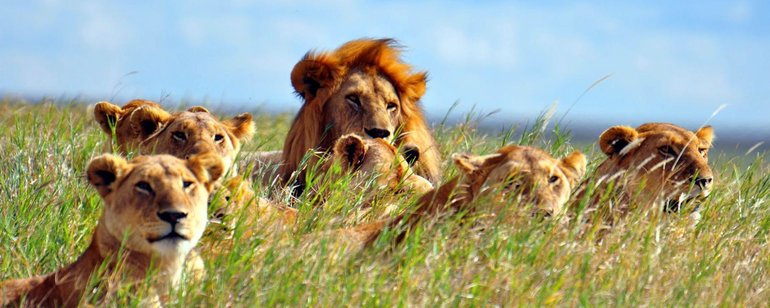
[[392, 106], [354, 101], [702, 151], [553, 179], [512, 184], [144, 187], [179, 136], [186, 184], [219, 137], [667, 151]]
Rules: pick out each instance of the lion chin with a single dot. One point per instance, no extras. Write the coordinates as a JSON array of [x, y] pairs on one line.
[[171, 244]]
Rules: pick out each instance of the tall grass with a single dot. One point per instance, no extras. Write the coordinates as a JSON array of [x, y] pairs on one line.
[[47, 211]]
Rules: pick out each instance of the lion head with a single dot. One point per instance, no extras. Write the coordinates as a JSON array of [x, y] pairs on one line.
[[155, 204], [145, 126], [529, 174], [130, 124], [656, 162], [375, 159], [363, 88]]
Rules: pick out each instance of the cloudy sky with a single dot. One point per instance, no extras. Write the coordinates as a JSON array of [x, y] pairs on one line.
[[676, 61]]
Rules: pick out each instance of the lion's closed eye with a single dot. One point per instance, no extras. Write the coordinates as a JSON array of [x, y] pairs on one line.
[[179, 136], [144, 188]]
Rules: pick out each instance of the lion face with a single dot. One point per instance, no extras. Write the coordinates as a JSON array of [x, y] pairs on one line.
[[144, 126], [528, 174], [376, 159], [366, 104], [659, 161], [155, 204], [361, 88], [194, 132]]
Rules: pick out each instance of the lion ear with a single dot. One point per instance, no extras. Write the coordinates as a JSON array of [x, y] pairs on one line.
[[616, 138], [198, 109], [107, 115], [208, 168], [241, 126], [104, 170], [350, 149], [415, 86], [469, 163], [146, 120], [706, 135], [411, 153], [313, 73], [574, 167]]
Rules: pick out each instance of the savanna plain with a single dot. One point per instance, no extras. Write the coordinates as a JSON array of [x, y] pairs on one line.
[[498, 254]]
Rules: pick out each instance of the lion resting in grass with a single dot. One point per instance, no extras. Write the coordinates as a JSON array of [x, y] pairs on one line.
[[364, 88], [375, 170], [655, 164], [144, 126], [527, 175], [154, 205]]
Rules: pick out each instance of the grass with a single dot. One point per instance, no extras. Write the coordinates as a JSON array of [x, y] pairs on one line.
[[47, 213]]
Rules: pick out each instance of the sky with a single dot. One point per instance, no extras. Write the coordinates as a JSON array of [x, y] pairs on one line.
[[602, 63]]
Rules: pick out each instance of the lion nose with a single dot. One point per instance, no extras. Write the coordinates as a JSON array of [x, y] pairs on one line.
[[703, 182], [171, 217], [377, 132]]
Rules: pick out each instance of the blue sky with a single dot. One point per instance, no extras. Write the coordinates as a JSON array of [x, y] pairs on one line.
[[675, 61]]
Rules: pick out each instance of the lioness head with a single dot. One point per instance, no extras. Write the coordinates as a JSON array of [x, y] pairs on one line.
[[362, 88], [145, 126], [132, 123], [658, 161], [530, 173], [376, 159], [155, 204]]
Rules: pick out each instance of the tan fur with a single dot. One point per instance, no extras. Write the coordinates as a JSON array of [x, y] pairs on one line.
[[375, 158], [241, 203], [386, 96], [132, 123], [376, 173], [652, 164], [136, 194], [200, 131], [498, 173]]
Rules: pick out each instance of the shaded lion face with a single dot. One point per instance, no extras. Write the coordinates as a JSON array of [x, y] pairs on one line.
[[525, 174], [661, 161], [156, 204], [376, 159]]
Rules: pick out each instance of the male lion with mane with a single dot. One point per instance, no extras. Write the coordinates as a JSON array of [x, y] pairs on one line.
[[154, 214], [364, 88]]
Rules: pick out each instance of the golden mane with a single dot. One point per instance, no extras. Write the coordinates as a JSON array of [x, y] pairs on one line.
[[318, 76]]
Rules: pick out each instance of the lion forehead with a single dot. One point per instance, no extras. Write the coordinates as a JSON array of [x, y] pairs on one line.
[[368, 83]]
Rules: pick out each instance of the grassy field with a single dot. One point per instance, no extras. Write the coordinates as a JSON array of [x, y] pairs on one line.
[[47, 211]]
